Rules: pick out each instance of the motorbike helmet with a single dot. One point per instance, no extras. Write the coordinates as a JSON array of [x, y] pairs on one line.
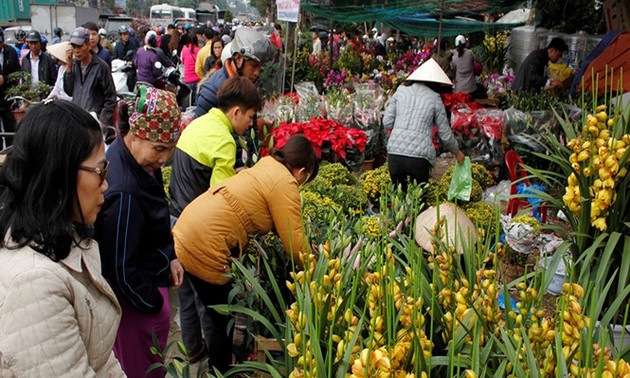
[[20, 35], [57, 31], [123, 30], [251, 44], [102, 32]]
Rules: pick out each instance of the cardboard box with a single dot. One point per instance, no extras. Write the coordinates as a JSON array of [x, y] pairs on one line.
[[617, 15]]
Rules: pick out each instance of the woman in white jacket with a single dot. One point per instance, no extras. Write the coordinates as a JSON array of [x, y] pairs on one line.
[[61, 51], [58, 315]]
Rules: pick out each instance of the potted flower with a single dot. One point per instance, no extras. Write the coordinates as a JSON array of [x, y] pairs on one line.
[[24, 92]]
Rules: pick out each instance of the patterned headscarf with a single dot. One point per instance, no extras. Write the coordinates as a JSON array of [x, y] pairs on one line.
[[155, 116]]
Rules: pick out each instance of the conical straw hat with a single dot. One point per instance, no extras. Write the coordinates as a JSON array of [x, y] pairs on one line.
[[58, 50], [460, 230], [430, 71]]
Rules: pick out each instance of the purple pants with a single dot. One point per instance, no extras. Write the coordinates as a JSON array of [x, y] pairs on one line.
[[134, 340]]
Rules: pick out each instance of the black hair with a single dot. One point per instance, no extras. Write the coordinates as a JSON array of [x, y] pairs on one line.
[[192, 40], [215, 40], [123, 117], [90, 26], [298, 153], [238, 91], [38, 182], [558, 44], [208, 33]]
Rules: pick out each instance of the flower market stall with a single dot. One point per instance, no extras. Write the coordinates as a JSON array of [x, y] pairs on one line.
[[393, 286]]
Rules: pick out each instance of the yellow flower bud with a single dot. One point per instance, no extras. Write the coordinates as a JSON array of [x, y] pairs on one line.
[[601, 116], [600, 223]]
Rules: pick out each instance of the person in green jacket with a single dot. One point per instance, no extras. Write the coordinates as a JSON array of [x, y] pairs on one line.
[[205, 156]]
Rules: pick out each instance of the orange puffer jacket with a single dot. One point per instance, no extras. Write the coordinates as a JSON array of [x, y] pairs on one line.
[[256, 200]]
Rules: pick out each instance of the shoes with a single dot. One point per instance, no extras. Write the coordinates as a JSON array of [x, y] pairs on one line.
[[199, 355]]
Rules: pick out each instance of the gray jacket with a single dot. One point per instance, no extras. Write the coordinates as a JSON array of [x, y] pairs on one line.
[[411, 113], [94, 91]]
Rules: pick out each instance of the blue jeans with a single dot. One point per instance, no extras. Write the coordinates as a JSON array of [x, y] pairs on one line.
[[193, 318]]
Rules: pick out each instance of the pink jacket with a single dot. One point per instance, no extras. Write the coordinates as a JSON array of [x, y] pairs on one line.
[[188, 59]]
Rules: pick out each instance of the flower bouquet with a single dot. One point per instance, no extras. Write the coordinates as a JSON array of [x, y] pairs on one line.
[[339, 105]]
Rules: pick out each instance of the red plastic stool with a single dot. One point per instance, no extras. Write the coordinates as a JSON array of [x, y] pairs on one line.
[[514, 165]]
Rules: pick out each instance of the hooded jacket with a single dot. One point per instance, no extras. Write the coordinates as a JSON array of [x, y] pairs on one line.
[[207, 99], [94, 91], [257, 200], [59, 319], [47, 68], [134, 231], [205, 156]]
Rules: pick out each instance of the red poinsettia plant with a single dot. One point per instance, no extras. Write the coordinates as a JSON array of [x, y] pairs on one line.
[[322, 133]]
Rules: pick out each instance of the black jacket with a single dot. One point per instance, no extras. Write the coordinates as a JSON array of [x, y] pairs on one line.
[[94, 91], [121, 49], [531, 74], [47, 67], [10, 64], [134, 231]]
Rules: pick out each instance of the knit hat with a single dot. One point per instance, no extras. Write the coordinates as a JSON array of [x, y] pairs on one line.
[[155, 116]]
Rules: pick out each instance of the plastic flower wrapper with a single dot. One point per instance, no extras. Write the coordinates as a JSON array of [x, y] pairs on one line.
[[368, 106], [310, 104], [339, 105], [498, 84], [521, 232]]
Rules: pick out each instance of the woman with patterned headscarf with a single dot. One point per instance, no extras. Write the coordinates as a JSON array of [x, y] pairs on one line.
[[133, 228]]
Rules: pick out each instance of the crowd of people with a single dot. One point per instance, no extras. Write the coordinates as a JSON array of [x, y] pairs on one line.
[[87, 234], [90, 243]]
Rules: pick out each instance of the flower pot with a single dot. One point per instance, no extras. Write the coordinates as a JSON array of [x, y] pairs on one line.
[[367, 165], [18, 114], [559, 276], [615, 335]]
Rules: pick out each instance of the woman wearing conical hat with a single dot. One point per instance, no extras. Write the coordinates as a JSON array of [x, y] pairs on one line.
[[411, 114]]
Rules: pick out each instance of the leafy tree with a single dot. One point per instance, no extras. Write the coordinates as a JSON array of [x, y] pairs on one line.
[[569, 16], [264, 7]]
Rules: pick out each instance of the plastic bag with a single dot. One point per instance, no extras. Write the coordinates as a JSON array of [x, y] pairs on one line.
[[461, 183], [490, 122]]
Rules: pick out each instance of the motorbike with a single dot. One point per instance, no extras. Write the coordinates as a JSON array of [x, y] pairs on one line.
[[170, 81]]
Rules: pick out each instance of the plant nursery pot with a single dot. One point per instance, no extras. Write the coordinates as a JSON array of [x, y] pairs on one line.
[[367, 165], [18, 114], [616, 333], [555, 287]]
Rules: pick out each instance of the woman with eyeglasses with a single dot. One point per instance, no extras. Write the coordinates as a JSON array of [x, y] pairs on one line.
[[216, 226], [134, 229], [58, 315]]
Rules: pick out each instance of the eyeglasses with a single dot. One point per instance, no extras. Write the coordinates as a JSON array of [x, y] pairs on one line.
[[101, 172]]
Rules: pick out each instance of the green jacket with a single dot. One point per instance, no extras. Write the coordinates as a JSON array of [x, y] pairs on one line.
[[205, 156]]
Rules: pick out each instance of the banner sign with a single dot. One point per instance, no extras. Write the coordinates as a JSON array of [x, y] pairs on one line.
[[288, 10]]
